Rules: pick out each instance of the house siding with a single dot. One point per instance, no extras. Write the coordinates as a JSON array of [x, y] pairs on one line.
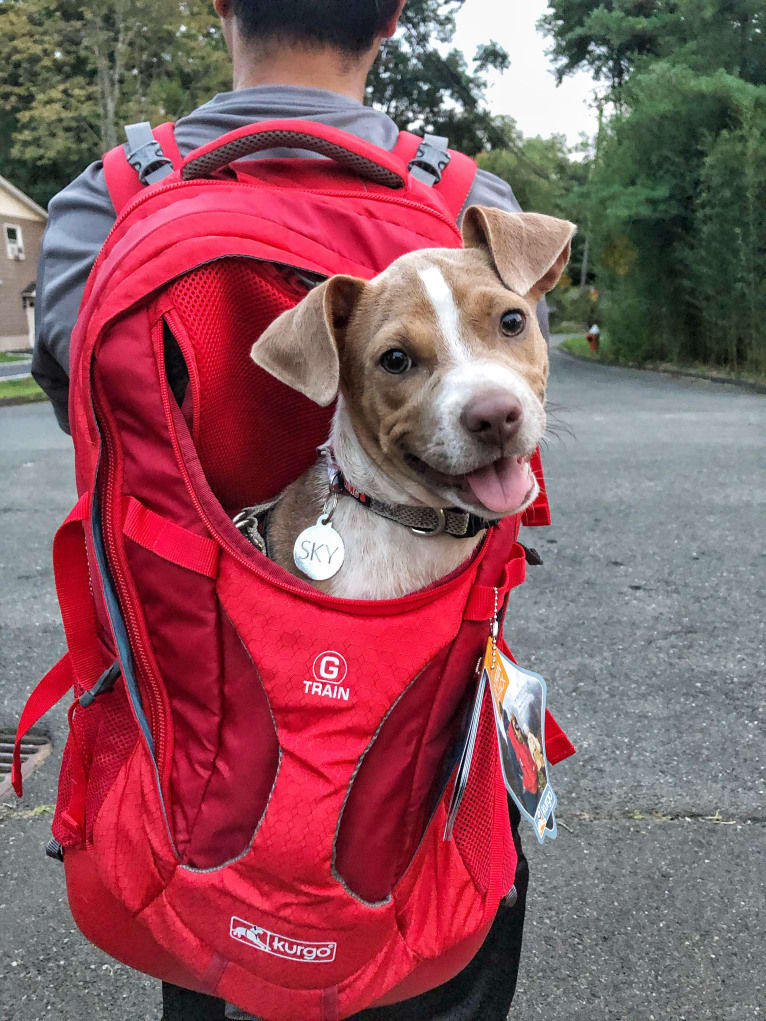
[[15, 275]]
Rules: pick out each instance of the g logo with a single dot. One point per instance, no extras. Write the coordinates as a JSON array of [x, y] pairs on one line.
[[330, 666]]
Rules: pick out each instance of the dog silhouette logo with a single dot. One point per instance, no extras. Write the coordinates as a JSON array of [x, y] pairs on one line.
[[254, 935]]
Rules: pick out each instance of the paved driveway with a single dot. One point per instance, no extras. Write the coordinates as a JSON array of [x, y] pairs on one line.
[[647, 620], [9, 370]]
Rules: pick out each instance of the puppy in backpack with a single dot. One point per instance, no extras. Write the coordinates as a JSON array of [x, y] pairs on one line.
[[439, 368]]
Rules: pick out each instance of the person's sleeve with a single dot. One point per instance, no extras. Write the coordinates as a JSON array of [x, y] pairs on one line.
[[79, 219], [489, 190]]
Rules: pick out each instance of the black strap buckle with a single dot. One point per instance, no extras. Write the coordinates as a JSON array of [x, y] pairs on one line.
[[148, 158], [54, 850], [531, 556], [105, 683], [431, 158]]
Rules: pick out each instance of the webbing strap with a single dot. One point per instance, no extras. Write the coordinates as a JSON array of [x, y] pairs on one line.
[[166, 136], [170, 541], [84, 661], [50, 690], [481, 603], [330, 1004], [539, 513], [70, 568]]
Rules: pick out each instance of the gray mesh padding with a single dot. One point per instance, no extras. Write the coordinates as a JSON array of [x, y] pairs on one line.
[[207, 164]]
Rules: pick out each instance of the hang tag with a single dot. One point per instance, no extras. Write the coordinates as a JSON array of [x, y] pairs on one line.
[[518, 698], [319, 551], [466, 757]]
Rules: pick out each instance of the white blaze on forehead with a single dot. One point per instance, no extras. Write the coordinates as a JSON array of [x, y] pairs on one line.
[[441, 297]]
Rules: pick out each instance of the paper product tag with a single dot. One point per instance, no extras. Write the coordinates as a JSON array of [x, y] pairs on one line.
[[518, 698]]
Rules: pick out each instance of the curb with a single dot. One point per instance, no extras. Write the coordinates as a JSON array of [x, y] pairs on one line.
[[10, 402], [743, 384]]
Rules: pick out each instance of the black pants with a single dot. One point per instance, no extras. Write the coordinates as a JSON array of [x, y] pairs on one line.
[[482, 991]]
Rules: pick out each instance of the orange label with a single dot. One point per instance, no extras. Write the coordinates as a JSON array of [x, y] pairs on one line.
[[498, 678]]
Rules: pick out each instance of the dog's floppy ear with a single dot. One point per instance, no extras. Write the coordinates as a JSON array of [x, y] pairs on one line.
[[529, 250], [300, 348]]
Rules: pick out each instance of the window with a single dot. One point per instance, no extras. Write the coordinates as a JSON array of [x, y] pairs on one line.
[[14, 243]]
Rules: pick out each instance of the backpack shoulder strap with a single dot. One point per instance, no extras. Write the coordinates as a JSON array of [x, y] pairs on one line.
[[430, 160], [148, 157]]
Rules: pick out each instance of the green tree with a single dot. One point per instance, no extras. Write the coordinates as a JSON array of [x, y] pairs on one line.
[[72, 74], [730, 243], [674, 203], [650, 195], [607, 37], [425, 89], [614, 37]]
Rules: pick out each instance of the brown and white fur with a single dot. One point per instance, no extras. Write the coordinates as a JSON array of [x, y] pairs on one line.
[[474, 395]]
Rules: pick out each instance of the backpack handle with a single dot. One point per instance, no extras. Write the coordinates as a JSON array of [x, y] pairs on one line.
[[354, 154]]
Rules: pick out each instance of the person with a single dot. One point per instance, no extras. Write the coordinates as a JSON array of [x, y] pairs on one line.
[[306, 59]]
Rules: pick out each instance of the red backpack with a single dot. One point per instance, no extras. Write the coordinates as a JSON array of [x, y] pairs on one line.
[[253, 792]]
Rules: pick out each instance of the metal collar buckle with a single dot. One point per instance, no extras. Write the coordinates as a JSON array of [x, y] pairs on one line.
[[440, 526]]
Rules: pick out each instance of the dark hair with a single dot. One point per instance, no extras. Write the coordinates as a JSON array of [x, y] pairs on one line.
[[348, 25]]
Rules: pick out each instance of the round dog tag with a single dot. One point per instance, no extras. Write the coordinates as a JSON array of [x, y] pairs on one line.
[[319, 551]]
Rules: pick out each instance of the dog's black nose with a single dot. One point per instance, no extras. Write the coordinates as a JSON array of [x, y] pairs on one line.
[[493, 417]]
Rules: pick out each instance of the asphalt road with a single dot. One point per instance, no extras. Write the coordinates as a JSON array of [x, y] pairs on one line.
[[647, 620]]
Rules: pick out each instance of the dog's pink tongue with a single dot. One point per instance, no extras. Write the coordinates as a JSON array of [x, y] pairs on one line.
[[502, 485]]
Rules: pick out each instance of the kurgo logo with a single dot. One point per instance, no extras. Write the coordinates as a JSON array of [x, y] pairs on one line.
[[280, 946], [330, 669]]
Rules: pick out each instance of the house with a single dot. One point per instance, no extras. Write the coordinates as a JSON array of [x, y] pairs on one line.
[[22, 223]]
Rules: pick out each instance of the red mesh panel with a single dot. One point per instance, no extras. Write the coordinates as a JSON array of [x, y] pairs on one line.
[[115, 734], [255, 435], [473, 825], [104, 735], [60, 829]]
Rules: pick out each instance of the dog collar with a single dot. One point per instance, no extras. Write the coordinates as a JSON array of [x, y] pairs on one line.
[[425, 521]]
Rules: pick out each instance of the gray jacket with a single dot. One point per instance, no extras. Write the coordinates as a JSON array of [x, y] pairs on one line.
[[81, 216]]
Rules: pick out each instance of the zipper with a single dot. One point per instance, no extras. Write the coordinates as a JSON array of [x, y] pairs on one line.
[[157, 716]]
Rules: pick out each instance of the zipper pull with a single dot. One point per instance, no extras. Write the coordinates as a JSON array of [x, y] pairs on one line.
[[105, 683], [531, 556]]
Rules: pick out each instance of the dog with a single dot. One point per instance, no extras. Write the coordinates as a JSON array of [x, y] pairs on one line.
[[439, 369]]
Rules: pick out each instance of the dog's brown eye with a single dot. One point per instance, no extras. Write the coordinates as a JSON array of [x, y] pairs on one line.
[[512, 323], [396, 361]]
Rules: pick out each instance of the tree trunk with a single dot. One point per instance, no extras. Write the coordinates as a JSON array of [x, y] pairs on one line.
[[584, 267]]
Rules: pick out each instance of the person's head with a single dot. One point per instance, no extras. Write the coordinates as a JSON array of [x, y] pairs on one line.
[[352, 28]]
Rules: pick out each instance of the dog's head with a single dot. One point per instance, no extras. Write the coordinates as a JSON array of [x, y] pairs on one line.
[[439, 360]]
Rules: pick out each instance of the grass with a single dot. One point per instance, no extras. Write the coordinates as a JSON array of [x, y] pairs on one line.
[[18, 390], [10, 811], [579, 346], [566, 326], [12, 356]]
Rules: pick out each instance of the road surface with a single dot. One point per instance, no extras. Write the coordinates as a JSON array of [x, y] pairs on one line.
[[647, 621]]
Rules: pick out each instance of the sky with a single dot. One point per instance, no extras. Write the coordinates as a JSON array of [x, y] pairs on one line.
[[527, 91]]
